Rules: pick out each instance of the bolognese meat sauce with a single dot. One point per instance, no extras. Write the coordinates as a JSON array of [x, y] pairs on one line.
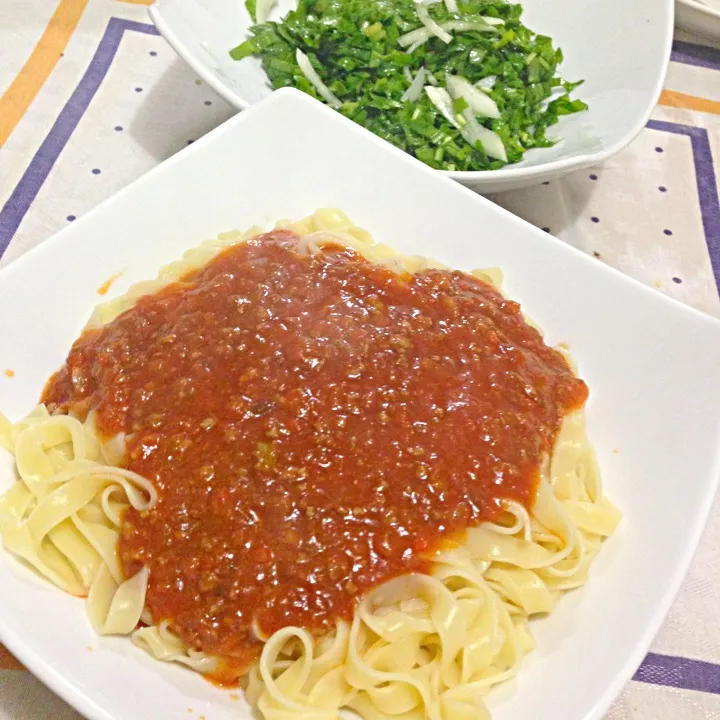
[[314, 425]]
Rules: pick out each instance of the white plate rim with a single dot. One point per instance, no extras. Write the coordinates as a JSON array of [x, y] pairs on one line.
[[700, 8]]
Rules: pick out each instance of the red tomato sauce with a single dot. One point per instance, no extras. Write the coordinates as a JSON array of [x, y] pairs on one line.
[[314, 425]]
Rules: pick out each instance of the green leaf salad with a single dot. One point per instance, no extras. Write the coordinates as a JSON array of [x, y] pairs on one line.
[[459, 85]]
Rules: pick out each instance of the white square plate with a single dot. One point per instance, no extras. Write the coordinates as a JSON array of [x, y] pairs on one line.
[[620, 47], [653, 367]]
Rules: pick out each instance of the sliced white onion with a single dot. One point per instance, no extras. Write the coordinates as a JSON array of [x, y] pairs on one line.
[[481, 24], [480, 103], [309, 72], [431, 79], [262, 10], [421, 35], [415, 46], [407, 74], [416, 86], [441, 99], [414, 37], [433, 28], [487, 83], [473, 131], [451, 6]]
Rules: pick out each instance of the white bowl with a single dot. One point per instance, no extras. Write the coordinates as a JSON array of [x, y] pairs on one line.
[[698, 17], [653, 367], [621, 48]]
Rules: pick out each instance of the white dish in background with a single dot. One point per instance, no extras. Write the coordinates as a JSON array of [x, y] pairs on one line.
[[653, 367], [702, 18], [620, 48]]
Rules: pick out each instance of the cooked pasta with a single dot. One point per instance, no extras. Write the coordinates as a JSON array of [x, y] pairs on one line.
[[433, 629]]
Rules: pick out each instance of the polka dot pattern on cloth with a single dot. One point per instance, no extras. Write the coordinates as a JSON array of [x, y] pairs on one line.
[[603, 210]]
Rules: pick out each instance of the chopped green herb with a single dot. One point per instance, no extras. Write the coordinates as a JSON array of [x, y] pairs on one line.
[[460, 104], [251, 6], [364, 58], [266, 459]]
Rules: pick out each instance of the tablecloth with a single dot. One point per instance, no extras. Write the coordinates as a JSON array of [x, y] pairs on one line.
[[91, 98]]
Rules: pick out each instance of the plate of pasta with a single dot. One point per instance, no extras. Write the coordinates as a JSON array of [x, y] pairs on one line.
[[318, 433]]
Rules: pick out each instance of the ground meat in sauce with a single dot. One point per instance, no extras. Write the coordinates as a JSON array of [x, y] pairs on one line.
[[313, 424]]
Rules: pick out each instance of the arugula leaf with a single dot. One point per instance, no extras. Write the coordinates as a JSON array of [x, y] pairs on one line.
[[353, 46]]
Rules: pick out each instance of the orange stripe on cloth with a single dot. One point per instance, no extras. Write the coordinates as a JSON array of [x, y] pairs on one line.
[[8, 661], [36, 70], [671, 98]]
